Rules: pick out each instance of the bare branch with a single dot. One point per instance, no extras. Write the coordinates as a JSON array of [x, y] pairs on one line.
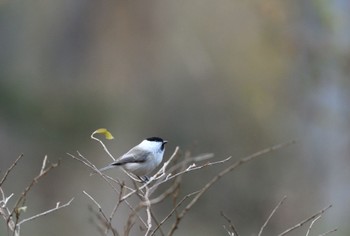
[[304, 221], [165, 165], [232, 227], [202, 157], [328, 232], [12, 215], [106, 178], [4, 211], [163, 175], [312, 223], [86, 162], [4, 200], [172, 211], [93, 199], [10, 168], [192, 167], [224, 172], [22, 198], [166, 193], [43, 165], [147, 203], [228, 231], [272, 213], [58, 206], [106, 220], [109, 223], [130, 222], [103, 145]]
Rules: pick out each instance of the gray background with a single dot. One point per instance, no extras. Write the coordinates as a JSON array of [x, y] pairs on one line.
[[227, 77]]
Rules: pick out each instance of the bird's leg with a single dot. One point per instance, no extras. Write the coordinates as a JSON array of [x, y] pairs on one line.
[[144, 179]]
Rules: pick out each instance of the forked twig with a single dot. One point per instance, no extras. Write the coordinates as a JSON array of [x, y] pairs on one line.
[[172, 211], [312, 223], [86, 162], [12, 215], [272, 213], [192, 167], [58, 206], [304, 221], [42, 173]]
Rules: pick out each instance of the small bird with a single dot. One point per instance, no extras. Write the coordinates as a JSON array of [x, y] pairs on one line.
[[141, 159]]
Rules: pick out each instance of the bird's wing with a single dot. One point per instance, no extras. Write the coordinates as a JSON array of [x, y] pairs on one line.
[[135, 155]]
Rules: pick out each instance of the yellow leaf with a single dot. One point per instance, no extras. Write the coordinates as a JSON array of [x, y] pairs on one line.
[[19, 210], [105, 132]]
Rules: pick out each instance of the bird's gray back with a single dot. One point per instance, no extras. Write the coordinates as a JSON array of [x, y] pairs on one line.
[[134, 155]]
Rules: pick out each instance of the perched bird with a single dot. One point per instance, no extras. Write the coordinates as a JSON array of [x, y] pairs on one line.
[[141, 159]]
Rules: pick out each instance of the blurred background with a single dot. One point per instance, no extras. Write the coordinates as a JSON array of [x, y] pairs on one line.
[[225, 77]]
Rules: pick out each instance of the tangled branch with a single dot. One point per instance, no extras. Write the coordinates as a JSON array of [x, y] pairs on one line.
[[11, 215], [170, 173]]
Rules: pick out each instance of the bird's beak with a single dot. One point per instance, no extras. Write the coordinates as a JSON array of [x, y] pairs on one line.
[[164, 142]]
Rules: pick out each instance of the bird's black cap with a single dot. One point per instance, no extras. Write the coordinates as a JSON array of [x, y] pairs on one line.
[[156, 139]]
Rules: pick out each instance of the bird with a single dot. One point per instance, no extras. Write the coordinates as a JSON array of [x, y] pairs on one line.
[[142, 159]]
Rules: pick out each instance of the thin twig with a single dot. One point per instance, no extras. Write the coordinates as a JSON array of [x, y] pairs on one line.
[[22, 198], [202, 157], [192, 167], [165, 194], [86, 162], [98, 205], [328, 232], [228, 231], [147, 204], [43, 165], [13, 223], [106, 178], [312, 223], [157, 223], [130, 222], [161, 172], [103, 223], [272, 213], [109, 226], [4, 210], [233, 228], [304, 221], [58, 206], [149, 219], [103, 145], [172, 211], [10, 168], [5, 199]]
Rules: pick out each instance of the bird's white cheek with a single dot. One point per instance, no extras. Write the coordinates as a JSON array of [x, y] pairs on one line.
[[159, 158]]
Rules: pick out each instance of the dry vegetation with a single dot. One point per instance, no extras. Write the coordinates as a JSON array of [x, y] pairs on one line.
[[141, 215]]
